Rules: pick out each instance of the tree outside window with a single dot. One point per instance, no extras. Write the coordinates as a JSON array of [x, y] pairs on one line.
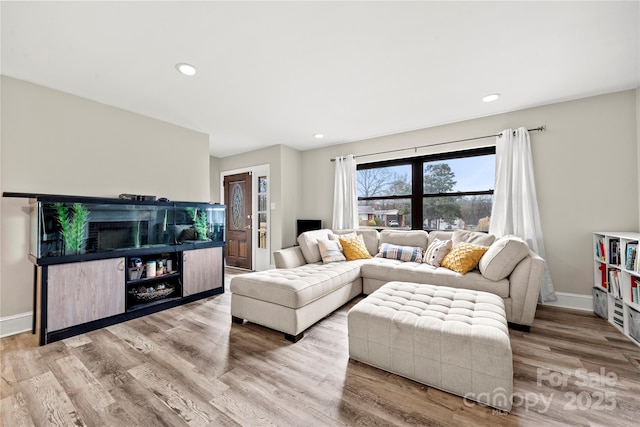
[[383, 196]]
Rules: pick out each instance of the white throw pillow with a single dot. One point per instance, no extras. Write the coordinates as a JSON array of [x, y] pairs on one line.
[[502, 257], [308, 242], [331, 251]]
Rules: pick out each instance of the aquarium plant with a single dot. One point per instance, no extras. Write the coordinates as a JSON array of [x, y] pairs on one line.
[[73, 222], [199, 223]]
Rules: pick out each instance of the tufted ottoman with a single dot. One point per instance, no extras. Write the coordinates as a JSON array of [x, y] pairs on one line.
[[452, 339]]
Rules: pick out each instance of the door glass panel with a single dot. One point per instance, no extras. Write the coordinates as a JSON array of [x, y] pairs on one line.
[[262, 212], [237, 206]]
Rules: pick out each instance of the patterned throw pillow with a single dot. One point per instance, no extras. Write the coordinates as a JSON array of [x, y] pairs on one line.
[[402, 253], [436, 252], [330, 251], [463, 257], [354, 248]]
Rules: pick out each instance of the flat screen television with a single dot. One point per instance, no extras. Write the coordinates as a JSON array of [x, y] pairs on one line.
[[308, 225]]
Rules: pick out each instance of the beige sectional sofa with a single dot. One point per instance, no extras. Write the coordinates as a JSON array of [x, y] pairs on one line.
[[302, 289]]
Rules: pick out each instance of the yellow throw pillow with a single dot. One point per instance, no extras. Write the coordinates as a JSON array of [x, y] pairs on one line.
[[354, 248], [463, 257]]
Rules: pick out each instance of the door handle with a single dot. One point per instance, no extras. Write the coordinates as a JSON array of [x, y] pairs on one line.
[[248, 227]]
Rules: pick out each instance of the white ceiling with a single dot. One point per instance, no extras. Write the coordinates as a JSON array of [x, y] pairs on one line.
[[280, 72]]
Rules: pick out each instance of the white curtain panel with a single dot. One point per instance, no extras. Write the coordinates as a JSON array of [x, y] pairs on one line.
[[345, 196], [515, 204]]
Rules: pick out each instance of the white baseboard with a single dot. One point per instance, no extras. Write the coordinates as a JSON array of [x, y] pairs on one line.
[[575, 301], [19, 323], [16, 324]]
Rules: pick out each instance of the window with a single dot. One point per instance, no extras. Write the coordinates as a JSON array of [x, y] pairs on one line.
[[444, 191], [384, 195]]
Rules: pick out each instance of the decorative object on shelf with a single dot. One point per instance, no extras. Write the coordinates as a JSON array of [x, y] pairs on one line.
[[139, 197], [152, 293], [151, 269], [135, 273], [73, 223]]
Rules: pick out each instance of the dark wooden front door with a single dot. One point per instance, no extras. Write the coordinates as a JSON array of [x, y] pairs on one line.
[[237, 197]]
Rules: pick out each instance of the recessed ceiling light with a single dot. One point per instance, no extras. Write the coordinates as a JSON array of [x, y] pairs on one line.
[[186, 69], [491, 98], [318, 136]]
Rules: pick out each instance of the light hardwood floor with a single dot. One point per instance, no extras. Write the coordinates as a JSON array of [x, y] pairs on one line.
[[191, 366]]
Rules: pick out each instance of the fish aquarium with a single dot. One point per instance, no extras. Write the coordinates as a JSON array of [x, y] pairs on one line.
[[63, 226]]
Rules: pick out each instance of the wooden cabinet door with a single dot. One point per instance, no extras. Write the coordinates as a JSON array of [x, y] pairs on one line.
[[201, 270], [80, 292]]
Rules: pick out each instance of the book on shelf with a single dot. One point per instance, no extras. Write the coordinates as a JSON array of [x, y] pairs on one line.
[[635, 284], [632, 248], [600, 250], [603, 278], [614, 283], [614, 252]]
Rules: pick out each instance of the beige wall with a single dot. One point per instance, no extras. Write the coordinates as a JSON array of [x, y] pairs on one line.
[[214, 180], [54, 142], [293, 187], [586, 173], [638, 140]]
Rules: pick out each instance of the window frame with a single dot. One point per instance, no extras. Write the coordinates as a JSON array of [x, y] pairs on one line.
[[417, 179]]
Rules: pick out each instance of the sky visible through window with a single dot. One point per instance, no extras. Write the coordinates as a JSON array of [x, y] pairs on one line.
[[472, 173]]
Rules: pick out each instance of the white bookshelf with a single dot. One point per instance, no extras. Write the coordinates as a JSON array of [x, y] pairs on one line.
[[616, 274]]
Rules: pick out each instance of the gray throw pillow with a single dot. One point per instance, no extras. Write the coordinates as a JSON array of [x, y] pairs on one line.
[[473, 237]]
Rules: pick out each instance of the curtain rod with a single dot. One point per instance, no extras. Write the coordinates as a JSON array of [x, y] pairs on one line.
[[541, 128]]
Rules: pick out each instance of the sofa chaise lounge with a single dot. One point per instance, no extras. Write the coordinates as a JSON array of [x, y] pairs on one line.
[[303, 289]]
